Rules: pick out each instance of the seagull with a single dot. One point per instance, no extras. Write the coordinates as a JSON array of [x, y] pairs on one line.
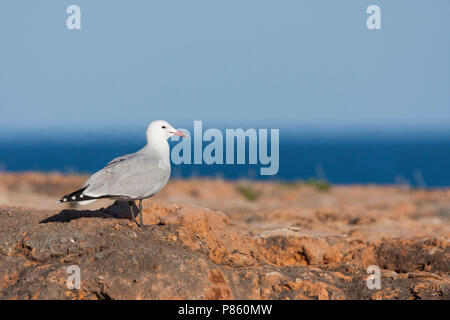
[[134, 176]]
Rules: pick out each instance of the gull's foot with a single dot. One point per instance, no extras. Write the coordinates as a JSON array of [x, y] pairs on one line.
[[148, 226]]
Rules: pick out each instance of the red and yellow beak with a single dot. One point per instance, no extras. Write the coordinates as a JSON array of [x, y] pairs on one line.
[[179, 133]]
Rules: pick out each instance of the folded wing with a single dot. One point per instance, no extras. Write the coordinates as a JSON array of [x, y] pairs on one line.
[[133, 176]]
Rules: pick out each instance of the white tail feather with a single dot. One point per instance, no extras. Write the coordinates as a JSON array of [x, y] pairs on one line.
[[83, 203]]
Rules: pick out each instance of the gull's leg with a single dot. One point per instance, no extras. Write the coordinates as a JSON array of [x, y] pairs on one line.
[[133, 218], [141, 219]]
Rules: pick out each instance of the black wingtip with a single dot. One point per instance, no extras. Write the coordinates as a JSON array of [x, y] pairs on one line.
[[75, 196]]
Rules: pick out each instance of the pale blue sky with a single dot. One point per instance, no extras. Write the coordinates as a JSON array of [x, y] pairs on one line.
[[251, 63]]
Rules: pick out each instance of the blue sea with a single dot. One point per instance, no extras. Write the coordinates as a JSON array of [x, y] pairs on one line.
[[340, 160]]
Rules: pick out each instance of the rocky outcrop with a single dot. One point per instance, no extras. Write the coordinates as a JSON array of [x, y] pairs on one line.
[[197, 253], [258, 240]]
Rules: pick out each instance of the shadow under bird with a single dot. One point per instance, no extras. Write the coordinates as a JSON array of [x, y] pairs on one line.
[[134, 176]]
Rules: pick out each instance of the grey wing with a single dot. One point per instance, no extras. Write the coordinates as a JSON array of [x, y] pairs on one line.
[[121, 158], [132, 176]]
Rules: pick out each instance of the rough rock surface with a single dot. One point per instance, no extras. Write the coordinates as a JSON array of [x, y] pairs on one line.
[[290, 242]]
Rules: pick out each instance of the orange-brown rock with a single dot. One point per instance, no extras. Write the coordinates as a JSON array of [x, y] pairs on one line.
[[286, 242]]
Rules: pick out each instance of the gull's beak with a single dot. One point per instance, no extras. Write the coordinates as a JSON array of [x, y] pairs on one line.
[[179, 133]]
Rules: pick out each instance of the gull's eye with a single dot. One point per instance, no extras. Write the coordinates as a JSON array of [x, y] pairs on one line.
[[163, 127]]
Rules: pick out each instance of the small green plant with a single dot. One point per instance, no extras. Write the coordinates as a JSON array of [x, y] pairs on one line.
[[321, 185], [247, 192]]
